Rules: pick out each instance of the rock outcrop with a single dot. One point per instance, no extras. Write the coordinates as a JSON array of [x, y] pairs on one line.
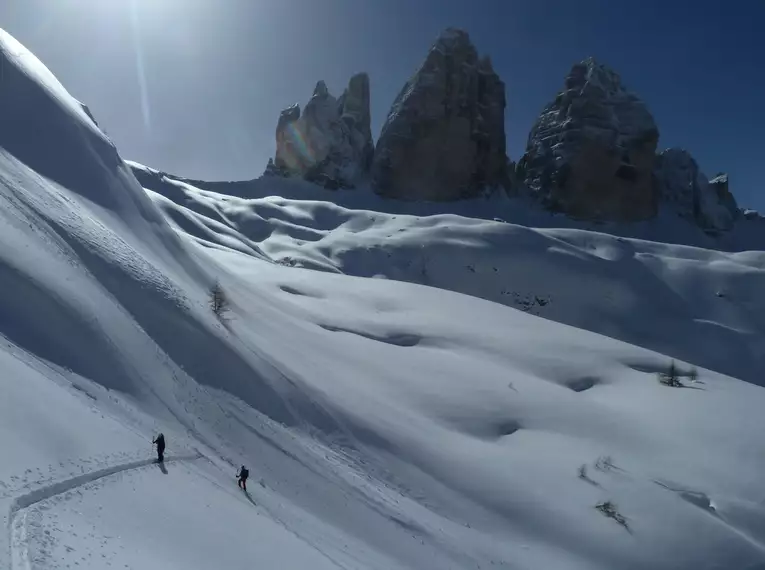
[[330, 143], [591, 152], [685, 189], [724, 196], [444, 138]]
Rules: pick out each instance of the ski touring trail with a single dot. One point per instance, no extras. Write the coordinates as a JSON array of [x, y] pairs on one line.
[[17, 552]]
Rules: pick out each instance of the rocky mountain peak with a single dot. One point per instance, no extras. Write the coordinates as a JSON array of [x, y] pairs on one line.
[[452, 39], [288, 115], [591, 151], [444, 138], [588, 73], [321, 89], [330, 142]]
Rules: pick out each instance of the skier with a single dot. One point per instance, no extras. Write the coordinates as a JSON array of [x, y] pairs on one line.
[[243, 474], [159, 441]]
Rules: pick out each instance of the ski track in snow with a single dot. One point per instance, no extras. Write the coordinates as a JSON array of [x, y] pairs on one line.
[[17, 535]]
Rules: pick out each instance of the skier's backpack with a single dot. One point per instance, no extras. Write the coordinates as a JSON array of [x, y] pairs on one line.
[[245, 473]]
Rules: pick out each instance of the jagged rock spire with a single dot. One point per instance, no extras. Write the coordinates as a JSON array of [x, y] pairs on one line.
[[330, 142], [444, 138], [591, 151]]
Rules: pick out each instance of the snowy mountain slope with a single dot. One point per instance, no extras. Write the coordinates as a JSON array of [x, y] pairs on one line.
[[694, 304], [487, 405], [386, 424], [748, 233], [100, 288]]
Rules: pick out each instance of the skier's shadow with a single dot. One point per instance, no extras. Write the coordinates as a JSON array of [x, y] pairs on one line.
[[162, 467], [249, 498]]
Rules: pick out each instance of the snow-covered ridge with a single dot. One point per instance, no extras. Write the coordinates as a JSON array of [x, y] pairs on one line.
[[386, 424]]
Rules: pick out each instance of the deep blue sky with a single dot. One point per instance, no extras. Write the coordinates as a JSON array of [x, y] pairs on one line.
[[217, 72]]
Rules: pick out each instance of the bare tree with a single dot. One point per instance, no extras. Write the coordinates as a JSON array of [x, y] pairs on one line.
[[671, 377], [605, 463], [218, 301]]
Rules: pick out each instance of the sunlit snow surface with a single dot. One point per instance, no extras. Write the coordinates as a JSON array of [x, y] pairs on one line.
[[422, 393]]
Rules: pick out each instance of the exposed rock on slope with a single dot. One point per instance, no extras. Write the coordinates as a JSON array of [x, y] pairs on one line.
[[444, 138], [685, 188], [330, 143], [591, 152]]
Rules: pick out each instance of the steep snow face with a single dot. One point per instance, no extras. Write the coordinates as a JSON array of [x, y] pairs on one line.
[[17, 60], [45, 130], [590, 153], [685, 189], [453, 428], [386, 425], [331, 142], [94, 275]]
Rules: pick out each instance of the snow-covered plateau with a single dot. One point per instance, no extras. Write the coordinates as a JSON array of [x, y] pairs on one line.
[[411, 385]]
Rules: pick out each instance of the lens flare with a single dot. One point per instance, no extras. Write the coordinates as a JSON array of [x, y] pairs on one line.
[[300, 143], [140, 70]]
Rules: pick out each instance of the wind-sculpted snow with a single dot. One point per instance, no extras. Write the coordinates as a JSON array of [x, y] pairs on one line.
[[95, 275], [675, 299]]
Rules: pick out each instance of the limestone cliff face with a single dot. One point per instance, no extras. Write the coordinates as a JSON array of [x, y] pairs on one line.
[[591, 152], [330, 142], [685, 189], [444, 138]]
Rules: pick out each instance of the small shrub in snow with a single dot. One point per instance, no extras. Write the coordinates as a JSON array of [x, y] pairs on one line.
[[608, 509], [583, 475], [289, 262], [424, 273], [605, 463], [528, 303], [671, 377], [218, 301]]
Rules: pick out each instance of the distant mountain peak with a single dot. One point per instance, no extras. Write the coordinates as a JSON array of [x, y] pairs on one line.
[[321, 89], [444, 138], [590, 153], [330, 142]]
